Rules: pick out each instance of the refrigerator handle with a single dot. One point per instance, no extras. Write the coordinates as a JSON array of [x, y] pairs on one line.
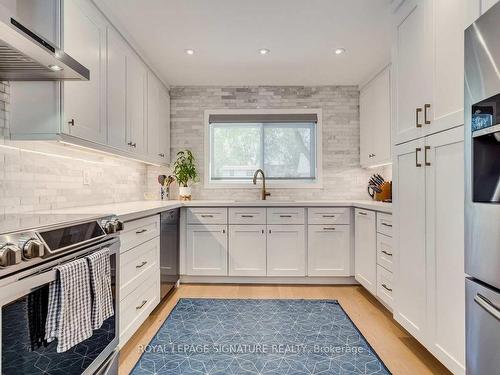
[[486, 304]]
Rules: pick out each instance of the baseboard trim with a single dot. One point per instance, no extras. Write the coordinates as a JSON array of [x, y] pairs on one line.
[[348, 280]]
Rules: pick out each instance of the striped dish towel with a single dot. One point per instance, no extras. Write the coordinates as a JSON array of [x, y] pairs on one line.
[[68, 315], [100, 282]]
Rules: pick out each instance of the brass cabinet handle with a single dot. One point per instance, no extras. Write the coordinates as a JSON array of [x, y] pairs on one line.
[[362, 213], [328, 215], [246, 215], [223, 231], [386, 287], [262, 231], [141, 265], [141, 305], [71, 122], [417, 150], [285, 215], [386, 225], [332, 228], [270, 231], [418, 110], [141, 231], [207, 215], [387, 253], [427, 164], [426, 108]]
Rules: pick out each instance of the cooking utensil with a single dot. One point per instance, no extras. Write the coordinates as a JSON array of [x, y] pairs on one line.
[[161, 179]]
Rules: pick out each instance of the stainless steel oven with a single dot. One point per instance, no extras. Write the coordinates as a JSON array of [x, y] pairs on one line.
[[23, 290]]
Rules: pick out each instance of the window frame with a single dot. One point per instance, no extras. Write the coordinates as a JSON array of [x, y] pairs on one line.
[[284, 184]]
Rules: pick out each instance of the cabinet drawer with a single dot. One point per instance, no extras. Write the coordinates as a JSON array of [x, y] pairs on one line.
[[329, 215], [138, 264], [139, 231], [279, 215], [247, 215], [385, 256], [384, 285], [384, 224], [207, 215], [136, 307]]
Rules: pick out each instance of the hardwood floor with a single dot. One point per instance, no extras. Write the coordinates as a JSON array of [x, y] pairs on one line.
[[401, 353]]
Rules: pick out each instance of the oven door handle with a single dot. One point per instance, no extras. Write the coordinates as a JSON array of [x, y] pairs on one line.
[[27, 283]]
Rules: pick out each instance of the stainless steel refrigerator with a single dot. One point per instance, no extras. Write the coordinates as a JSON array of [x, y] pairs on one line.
[[482, 193]]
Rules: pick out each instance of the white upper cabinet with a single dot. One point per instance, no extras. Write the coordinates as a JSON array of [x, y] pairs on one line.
[[164, 125], [110, 111], [158, 120], [375, 120], [136, 104], [411, 73], [84, 39], [447, 65], [117, 90], [429, 66], [153, 116]]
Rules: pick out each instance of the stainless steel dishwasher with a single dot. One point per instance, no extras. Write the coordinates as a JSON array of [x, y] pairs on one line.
[[169, 250]]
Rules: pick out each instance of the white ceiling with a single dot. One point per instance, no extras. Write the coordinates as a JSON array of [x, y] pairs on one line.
[[227, 34]]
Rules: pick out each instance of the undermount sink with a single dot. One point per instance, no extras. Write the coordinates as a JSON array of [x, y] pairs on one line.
[[276, 200]]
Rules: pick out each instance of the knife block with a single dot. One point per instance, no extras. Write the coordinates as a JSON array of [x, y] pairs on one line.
[[386, 192]]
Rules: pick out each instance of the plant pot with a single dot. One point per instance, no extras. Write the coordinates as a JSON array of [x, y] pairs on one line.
[[185, 193]]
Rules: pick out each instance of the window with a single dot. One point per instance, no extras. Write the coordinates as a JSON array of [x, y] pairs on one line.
[[283, 145]]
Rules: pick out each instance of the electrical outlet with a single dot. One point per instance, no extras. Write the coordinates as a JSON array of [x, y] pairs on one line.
[[86, 177]]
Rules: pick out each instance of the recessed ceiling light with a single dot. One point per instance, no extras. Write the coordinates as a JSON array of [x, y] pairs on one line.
[[190, 51], [264, 51], [55, 68], [339, 51]]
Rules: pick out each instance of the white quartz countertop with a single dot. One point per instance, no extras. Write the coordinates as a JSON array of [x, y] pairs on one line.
[[134, 210]]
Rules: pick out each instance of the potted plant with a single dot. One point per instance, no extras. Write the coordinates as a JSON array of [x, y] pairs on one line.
[[184, 173]]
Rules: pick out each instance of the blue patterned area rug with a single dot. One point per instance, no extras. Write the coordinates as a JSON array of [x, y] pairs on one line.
[[250, 336]]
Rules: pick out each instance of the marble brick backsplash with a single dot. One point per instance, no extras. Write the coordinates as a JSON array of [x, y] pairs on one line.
[[343, 178], [43, 175]]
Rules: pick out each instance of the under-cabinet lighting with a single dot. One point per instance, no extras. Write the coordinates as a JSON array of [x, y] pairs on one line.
[[264, 51], [109, 153], [339, 51], [189, 51], [49, 154], [379, 165]]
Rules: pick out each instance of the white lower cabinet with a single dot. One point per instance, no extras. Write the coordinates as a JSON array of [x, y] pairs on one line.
[[286, 250], [384, 285], [365, 251], [247, 250], [445, 248], [139, 276], [329, 250], [206, 247], [429, 294]]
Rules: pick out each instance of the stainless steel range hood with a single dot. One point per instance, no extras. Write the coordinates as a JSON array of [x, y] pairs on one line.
[[26, 56]]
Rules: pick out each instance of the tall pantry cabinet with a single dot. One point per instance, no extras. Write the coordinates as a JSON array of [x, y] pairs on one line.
[[428, 164]]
